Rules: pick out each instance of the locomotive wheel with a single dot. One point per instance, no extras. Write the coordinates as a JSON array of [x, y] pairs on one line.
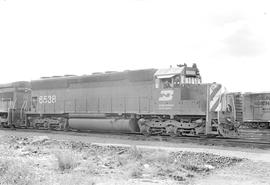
[[171, 130], [145, 133], [263, 125], [45, 124], [61, 126], [2, 125], [145, 130], [66, 127], [50, 126], [13, 127], [36, 125], [254, 125], [172, 134]]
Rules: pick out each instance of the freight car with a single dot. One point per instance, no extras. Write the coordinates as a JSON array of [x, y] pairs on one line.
[[256, 110], [169, 101]]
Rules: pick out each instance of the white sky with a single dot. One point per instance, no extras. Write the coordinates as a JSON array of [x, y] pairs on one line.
[[229, 40]]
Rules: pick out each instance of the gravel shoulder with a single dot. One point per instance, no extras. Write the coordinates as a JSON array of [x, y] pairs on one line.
[[254, 168], [253, 154]]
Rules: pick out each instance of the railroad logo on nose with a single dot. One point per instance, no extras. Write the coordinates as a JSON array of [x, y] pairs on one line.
[[166, 95]]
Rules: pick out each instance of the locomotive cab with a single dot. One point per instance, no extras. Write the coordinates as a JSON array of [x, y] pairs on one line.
[[179, 99], [185, 106], [177, 91]]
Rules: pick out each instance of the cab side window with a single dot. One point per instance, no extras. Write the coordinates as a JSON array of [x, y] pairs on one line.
[[167, 83]]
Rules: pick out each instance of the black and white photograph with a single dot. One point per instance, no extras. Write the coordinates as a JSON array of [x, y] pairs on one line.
[[134, 92]]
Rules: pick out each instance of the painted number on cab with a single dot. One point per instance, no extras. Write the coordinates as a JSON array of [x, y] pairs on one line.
[[47, 99]]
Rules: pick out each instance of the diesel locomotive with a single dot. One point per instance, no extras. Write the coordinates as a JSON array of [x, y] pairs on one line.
[[14, 102], [171, 101]]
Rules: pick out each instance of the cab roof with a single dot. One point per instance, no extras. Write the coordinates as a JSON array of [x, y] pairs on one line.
[[169, 72]]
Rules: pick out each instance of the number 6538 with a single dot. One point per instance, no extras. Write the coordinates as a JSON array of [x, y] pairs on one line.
[[47, 99]]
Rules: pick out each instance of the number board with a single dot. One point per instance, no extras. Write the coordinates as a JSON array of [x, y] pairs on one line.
[[47, 99]]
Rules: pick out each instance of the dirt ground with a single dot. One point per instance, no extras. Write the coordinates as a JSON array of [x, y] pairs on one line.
[[34, 158]]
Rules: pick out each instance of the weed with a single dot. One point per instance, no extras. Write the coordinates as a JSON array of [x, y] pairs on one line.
[[65, 160], [195, 168], [16, 172], [134, 170], [135, 153], [159, 156], [76, 179], [135, 173]]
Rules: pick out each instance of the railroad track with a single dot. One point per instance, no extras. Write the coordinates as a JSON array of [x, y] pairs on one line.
[[244, 142], [219, 141]]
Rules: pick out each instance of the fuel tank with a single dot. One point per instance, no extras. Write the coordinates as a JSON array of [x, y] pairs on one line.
[[113, 125]]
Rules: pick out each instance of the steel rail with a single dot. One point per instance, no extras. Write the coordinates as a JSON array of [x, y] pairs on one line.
[[216, 141]]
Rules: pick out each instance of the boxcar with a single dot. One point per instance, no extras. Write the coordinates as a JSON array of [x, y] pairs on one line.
[[256, 109]]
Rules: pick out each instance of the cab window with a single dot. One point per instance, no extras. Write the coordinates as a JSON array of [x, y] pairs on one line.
[[166, 83], [175, 81]]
